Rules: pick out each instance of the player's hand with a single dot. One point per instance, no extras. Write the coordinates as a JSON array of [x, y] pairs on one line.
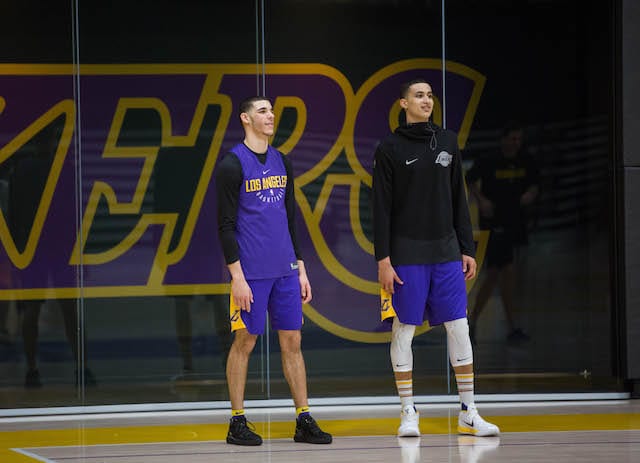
[[469, 267], [527, 198], [242, 294], [486, 207], [305, 289], [305, 286], [387, 275]]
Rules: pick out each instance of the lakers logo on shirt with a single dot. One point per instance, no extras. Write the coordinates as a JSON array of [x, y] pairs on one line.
[[444, 159]]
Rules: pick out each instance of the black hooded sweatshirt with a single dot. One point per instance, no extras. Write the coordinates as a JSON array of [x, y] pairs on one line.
[[420, 211]]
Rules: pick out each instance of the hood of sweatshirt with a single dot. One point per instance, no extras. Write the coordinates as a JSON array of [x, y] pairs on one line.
[[425, 131]]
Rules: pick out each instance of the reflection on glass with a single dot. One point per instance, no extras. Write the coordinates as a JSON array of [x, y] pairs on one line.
[[505, 185], [36, 235], [30, 312], [184, 335], [157, 305], [152, 129], [546, 276]]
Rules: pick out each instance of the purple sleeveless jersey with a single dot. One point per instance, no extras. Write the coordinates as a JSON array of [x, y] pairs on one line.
[[262, 228]]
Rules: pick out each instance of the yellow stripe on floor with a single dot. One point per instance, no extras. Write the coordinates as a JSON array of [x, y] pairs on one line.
[[279, 429]]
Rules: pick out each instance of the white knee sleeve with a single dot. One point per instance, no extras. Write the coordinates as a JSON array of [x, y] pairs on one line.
[[460, 350], [401, 353]]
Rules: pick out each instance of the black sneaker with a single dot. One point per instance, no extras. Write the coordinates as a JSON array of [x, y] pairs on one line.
[[5, 339], [89, 379], [517, 337], [32, 379], [240, 433], [307, 430]]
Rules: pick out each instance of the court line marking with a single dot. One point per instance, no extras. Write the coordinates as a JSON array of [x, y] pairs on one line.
[[313, 402], [268, 449], [281, 429], [390, 404], [33, 455]]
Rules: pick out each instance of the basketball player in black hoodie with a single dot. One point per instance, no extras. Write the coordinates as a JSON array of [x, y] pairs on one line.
[[425, 251]]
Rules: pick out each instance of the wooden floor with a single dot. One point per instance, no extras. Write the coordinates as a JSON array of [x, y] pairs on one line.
[[582, 432]]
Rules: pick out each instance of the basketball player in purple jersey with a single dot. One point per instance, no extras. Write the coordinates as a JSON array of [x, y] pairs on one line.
[[425, 250], [256, 208]]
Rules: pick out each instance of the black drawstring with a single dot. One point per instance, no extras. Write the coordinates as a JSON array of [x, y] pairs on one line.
[[417, 131], [433, 142]]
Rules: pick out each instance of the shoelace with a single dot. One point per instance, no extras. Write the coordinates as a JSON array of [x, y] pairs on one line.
[[311, 426], [407, 411], [245, 428]]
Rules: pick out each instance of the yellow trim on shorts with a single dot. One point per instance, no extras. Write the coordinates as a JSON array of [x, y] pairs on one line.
[[386, 307], [234, 316]]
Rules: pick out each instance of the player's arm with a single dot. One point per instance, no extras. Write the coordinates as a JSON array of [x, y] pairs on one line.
[[290, 204], [474, 181], [461, 218], [228, 183], [382, 200], [529, 196], [485, 205]]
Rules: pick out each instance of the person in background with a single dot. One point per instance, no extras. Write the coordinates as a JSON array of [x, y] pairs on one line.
[[504, 187]]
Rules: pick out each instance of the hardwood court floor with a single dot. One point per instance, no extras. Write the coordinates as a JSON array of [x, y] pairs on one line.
[[585, 432]]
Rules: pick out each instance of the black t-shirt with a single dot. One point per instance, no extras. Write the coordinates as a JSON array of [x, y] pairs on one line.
[[503, 182]]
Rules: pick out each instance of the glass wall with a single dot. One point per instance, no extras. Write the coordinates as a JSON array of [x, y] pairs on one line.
[[112, 120], [543, 119], [39, 167], [159, 107], [346, 70]]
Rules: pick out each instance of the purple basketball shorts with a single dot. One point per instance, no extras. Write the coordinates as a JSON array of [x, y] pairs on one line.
[[280, 297], [433, 292]]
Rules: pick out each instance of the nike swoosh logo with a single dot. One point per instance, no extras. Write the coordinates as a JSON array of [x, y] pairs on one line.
[[468, 424], [403, 365], [265, 171], [407, 162], [462, 360]]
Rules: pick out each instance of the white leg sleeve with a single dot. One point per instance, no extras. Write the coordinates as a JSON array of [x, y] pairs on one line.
[[460, 350], [401, 352]]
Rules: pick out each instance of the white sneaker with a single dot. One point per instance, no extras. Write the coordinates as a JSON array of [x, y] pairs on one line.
[[409, 419], [470, 422]]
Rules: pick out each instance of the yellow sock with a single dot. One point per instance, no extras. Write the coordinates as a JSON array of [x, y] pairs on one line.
[[300, 410], [237, 412]]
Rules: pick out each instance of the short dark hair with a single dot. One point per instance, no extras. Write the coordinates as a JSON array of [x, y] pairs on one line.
[[511, 126], [247, 103], [404, 88]]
